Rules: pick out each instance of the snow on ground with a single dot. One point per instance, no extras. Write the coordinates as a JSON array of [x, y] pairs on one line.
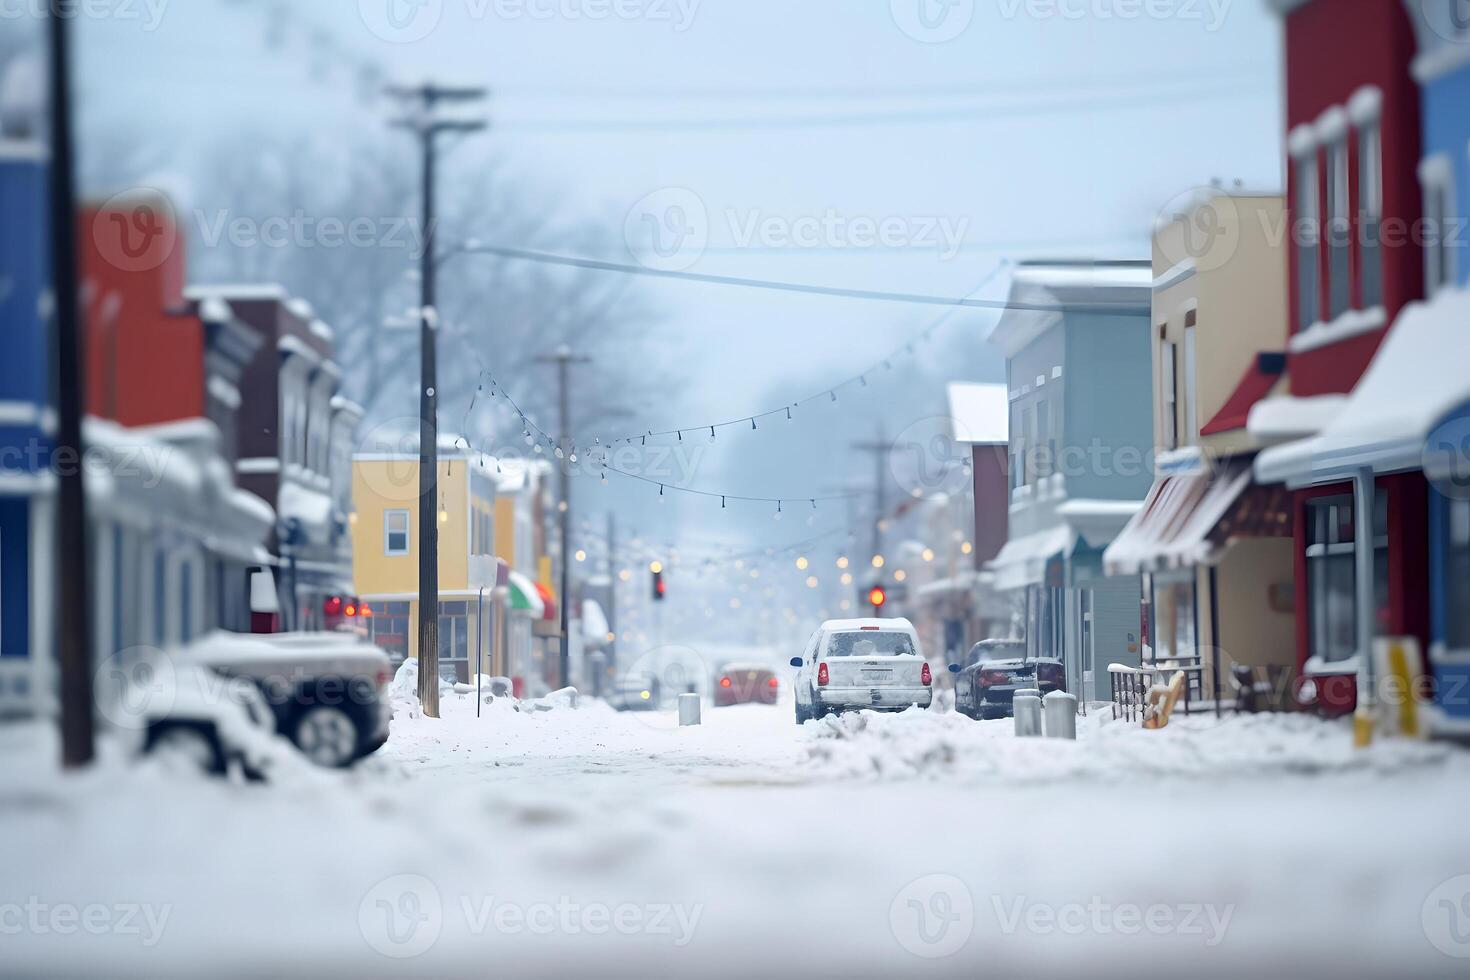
[[551, 842]]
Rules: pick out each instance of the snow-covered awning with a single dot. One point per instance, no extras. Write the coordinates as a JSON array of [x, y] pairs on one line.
[[1173, 530], [960, 584], [1023, 561], [309, 508], [1098, 522], [1417, 376]]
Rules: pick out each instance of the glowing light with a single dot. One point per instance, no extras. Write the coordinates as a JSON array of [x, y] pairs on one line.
[[352, 518], [802, 563], [846, 578], [581, 555], [655, 567], [967, 547], [900, 575], [812, 582], [625, 575], [444, 517], [928, 554], [735, 602], [877, 561], [842, 562]]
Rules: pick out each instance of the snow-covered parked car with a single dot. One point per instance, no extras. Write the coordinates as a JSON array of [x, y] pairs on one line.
[[328, 692], [985, 684], [861, 663]]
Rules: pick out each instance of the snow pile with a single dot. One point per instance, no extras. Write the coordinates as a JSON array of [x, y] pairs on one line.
[[928, 743]]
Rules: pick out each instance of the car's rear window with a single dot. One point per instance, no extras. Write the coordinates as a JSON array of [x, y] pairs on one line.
[[870, 643]]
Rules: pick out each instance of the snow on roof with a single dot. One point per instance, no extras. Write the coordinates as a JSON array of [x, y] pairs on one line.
[[1098, 521], [1124, 285], [895, 623], [1290, 417], [301, 308], [240, 292], [1022, 561], [321, 331], [979, 413], [1415, 379], [1186, 205], [215, 310], [1088, 276], [295, 346]]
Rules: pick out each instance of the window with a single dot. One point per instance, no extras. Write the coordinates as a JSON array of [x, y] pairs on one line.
[[1175, 604], [1457, 577], [395, 532], [1045, 462], [454, 641], [1332, 575], [1188, 384], [870, 643], [1168, 387], [390, 629], [1370, 210], [1338, 231], [1436, 178], [1304, 234], [160, 598]]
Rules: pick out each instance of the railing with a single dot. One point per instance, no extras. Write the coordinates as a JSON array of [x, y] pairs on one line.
[[1130, 690]]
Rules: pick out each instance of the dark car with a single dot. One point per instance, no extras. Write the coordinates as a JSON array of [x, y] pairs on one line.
[[745, 684], [995, 670]]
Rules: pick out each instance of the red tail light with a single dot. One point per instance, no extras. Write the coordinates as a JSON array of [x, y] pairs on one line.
[[333, 605], [365, 609], [822, 676], [384, 677], [350, 611], [926, 676], [990, 678], [724, 682], [772, 682]]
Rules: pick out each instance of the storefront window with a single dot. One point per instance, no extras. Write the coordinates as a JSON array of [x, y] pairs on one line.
[[1332, 576], [390, 629], [454, 641], [1174, 599]]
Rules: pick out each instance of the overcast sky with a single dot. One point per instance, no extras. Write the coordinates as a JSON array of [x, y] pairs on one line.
[[793, 129]]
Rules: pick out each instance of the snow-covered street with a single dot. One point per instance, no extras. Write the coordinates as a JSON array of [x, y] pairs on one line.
[[553, 842]]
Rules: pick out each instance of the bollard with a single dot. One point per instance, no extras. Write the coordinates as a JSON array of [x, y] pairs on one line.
[[1027, 707], [688, 709], [1060, 709]]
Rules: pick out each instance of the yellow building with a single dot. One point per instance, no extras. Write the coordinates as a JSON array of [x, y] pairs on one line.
[[385, 542]]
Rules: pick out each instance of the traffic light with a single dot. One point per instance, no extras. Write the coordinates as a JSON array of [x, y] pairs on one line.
[[657, 571], [877, 596]]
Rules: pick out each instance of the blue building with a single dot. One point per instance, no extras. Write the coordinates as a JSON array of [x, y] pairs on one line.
[[1079, 370], [26, 496], [1442, 68]]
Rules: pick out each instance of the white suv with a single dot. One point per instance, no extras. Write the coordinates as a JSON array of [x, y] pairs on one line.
[[861, 663]]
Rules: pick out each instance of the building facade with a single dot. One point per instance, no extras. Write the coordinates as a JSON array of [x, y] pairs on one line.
[[1076, 341]]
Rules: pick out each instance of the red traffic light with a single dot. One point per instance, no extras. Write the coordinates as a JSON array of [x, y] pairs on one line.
[[877, 596], [658, 587]]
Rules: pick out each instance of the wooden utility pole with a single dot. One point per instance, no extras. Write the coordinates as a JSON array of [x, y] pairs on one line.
[[563, 359], [72, 590], [421, 103]]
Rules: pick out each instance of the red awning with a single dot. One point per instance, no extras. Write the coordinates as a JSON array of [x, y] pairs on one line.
[[1263, 374]]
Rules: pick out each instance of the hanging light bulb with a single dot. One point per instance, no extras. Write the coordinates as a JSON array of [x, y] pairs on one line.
[[833, 393], [777, 515], [711, 433], [660, 493], [788, 413], [752, 425]]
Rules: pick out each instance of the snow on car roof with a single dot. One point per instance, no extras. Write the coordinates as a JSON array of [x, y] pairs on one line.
[[895, 624]]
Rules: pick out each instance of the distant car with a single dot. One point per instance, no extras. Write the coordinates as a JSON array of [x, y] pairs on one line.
[[745, 684], [327, 691], [985, 685], [636, 692], [850, 664]]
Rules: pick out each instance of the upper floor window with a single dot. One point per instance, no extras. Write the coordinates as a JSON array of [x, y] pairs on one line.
[[1304, 236], [1169, 389], [1370, 210], [1188, 382], [1436, 179], [1338, 230], [395, 532]]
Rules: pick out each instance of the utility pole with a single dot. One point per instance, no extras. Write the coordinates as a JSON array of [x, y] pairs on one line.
[[880, 447], [73, 595], [563, 358], [612, 590], [421, 102]]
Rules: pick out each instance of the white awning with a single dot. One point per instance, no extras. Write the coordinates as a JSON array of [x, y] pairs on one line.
[[1023, 560], [1173, 528], [1417, 376]]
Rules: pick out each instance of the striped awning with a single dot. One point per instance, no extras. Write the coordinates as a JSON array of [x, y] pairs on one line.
[[525, 595]]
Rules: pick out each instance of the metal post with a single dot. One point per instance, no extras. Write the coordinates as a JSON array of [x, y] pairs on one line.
[[426, 127], [73, 593], [1364, 492], [563, 358]]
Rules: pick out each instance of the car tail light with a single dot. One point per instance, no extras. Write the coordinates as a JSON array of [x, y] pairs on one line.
[[724, 682], [772, 682], [926, 676], [822, 676], [332, 606], [384, 676], [989, 678], [350, 611], [365, 610]]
